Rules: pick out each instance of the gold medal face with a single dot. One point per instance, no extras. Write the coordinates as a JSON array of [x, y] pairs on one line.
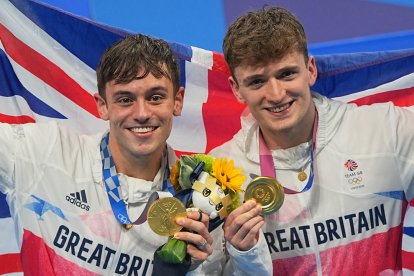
[[162, 215], [302, 176], [267, 192]]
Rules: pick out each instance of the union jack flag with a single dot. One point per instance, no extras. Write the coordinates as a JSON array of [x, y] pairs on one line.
[[351, 165], [47, 72]]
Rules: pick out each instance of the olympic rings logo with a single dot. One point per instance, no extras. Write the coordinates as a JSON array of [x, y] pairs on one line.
[[123, 219], [355, 180]]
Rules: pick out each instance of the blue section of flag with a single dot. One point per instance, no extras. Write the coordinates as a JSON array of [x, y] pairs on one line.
[[340, 75], [374, 43], [182, 73], [11, 86], [182, 51], [409, 231], [4, 208]]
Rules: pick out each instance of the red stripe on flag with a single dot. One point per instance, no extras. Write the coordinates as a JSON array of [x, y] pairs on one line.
[[408, 260], [219, 64], [16, 119], [47, 71], [13, 263], [402, 97], [221, 112]]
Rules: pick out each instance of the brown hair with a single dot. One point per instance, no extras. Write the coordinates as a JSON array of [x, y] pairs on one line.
[[259, 37], [134, 57]]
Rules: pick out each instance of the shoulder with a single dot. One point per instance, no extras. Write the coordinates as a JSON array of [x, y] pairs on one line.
[[381, 114], [227, 149], [52, 138]]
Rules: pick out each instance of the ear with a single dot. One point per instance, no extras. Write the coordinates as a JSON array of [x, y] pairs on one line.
[[102, 107], [313, 71], [236, 91], [179, 101]]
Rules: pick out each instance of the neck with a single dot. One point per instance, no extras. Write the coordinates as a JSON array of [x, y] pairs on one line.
[[289, 138], [143, 167]]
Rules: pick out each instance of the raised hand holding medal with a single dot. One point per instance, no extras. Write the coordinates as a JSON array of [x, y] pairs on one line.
[[214, 185], [267, 192]]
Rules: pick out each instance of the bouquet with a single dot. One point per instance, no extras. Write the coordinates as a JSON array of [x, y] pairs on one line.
[[215, 184]]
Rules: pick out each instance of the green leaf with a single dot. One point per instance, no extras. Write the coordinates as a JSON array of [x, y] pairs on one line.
[[187, 165], [173, 252], [235, 201], [207, 159]]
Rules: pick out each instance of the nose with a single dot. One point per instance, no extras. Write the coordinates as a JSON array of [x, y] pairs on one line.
[[142, 111], [275, 90]]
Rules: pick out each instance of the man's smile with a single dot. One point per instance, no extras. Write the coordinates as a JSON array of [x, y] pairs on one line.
[[143, 129], [280, 108]]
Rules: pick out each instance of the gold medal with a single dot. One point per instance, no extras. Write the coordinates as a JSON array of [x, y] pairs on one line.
[[302, 176], [267, 192], [162, 215]]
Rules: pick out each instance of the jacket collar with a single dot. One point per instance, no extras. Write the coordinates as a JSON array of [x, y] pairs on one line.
[[330, 115]]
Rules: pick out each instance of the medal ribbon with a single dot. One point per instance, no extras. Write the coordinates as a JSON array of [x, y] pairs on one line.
[[267, 165], [113, 187]]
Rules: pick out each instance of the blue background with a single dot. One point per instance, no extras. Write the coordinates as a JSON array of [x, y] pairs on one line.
[[332, 26]]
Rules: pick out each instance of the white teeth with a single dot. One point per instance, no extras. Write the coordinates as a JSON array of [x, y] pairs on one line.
[[142, 129], [279, 108]]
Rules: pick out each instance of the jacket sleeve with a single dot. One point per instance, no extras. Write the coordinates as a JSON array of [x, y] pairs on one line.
[[256, 261], [402, 130], [23, 148], [9, 134]]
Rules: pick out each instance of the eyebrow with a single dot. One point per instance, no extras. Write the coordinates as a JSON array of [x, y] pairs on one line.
[[247, 80], [157, 88], [121, 93]]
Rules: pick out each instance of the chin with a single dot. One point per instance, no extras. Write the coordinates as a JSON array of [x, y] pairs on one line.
[[147, 151]]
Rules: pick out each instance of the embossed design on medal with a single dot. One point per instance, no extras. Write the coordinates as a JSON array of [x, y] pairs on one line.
[[267, 192], [162, 215]]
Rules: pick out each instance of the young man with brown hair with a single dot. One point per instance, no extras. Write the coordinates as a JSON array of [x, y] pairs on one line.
[[78, 200], [346, 171]]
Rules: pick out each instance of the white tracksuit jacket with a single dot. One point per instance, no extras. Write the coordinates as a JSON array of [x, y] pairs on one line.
[[350, 221], [65, 224]]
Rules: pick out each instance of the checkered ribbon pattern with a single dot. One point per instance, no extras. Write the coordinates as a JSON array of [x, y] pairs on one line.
[[111, 180], [113, 186]]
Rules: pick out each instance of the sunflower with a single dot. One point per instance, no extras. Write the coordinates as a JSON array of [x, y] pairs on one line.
[[228, 176], [174, 175]]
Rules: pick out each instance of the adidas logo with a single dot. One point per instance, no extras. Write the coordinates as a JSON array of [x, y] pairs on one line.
[[79, 199]]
